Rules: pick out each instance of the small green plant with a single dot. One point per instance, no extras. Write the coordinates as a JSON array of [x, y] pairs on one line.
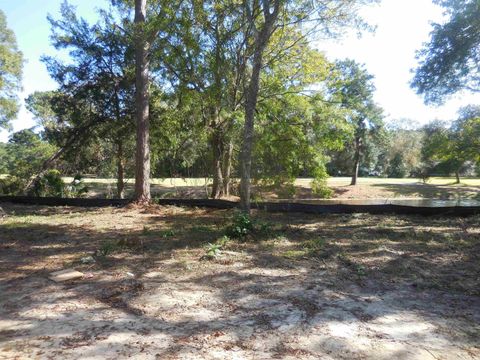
[[107, 248], [286, 191], [314, 246], [241, 225], [213, 250], [264, 227], [167, 233], [223, 240]]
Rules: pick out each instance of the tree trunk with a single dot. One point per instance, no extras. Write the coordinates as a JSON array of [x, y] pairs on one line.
[[120, 171], [261, 41], [248, 132], [217, 147], [457, 177], [227, 169], [356, 162], [142, 165]]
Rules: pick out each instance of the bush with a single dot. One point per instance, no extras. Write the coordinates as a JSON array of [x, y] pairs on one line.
[[49, 184], [320, 188], [241, 225], [319, 183], [52, 184], [11, 185], [77, 187]]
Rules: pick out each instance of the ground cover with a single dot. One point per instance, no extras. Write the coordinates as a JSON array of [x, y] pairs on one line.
[[300, 286]]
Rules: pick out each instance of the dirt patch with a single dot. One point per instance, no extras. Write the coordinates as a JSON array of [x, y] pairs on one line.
[[307, 287]]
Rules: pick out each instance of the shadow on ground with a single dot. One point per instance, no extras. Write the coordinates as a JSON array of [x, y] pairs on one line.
[[309, 287]]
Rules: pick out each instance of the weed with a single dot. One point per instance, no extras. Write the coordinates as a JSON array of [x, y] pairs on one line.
[[212, 251], [241, 225], [314, 246], [107, 248], [359, 269], [293, 254], [167, 233]]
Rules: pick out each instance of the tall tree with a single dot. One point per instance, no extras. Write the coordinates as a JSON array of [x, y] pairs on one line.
[[263, 18], [353, 87], [449, 147], [142, 63], [94, 102], [11, 64], [450, 61], [208, 58]]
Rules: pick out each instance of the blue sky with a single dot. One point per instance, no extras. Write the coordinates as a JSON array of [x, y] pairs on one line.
[[389, 54]]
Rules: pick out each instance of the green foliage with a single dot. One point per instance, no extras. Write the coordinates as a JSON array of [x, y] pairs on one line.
[[212, 251], [107, 248], [320, 189], [50, 184], [11, 63], [397, 168], [319, 183], [11, 185], [25, 154], [315, 246], [449, 62], [77, 187], [241, 225], [447, 149], [352, 86]]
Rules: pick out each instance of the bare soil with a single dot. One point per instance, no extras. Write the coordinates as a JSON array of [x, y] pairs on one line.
[[299, 287]]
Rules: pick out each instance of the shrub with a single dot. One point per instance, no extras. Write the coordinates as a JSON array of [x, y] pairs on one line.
[[241, 225], [320, 188], [11, 185], [52, 184], [77, 187], [49, 184]]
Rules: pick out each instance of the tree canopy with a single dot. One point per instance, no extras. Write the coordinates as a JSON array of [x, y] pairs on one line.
[[450, 61], [11, 64]]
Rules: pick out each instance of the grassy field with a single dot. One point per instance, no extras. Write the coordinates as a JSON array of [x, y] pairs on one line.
[[367, 188], [297, 287]]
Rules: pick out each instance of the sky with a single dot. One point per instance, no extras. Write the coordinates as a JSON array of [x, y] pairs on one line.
[[388, 53]]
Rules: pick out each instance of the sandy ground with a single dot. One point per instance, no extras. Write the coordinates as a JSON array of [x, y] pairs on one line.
[[379, 288]]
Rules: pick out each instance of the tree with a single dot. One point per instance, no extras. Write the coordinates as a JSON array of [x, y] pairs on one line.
[[207, 61], [142, 158], [402, 156], [450, 148], [295, 124], [11, 64], [449, 62], [353, 88], [25, 153], [93, 104], [263, 18]]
